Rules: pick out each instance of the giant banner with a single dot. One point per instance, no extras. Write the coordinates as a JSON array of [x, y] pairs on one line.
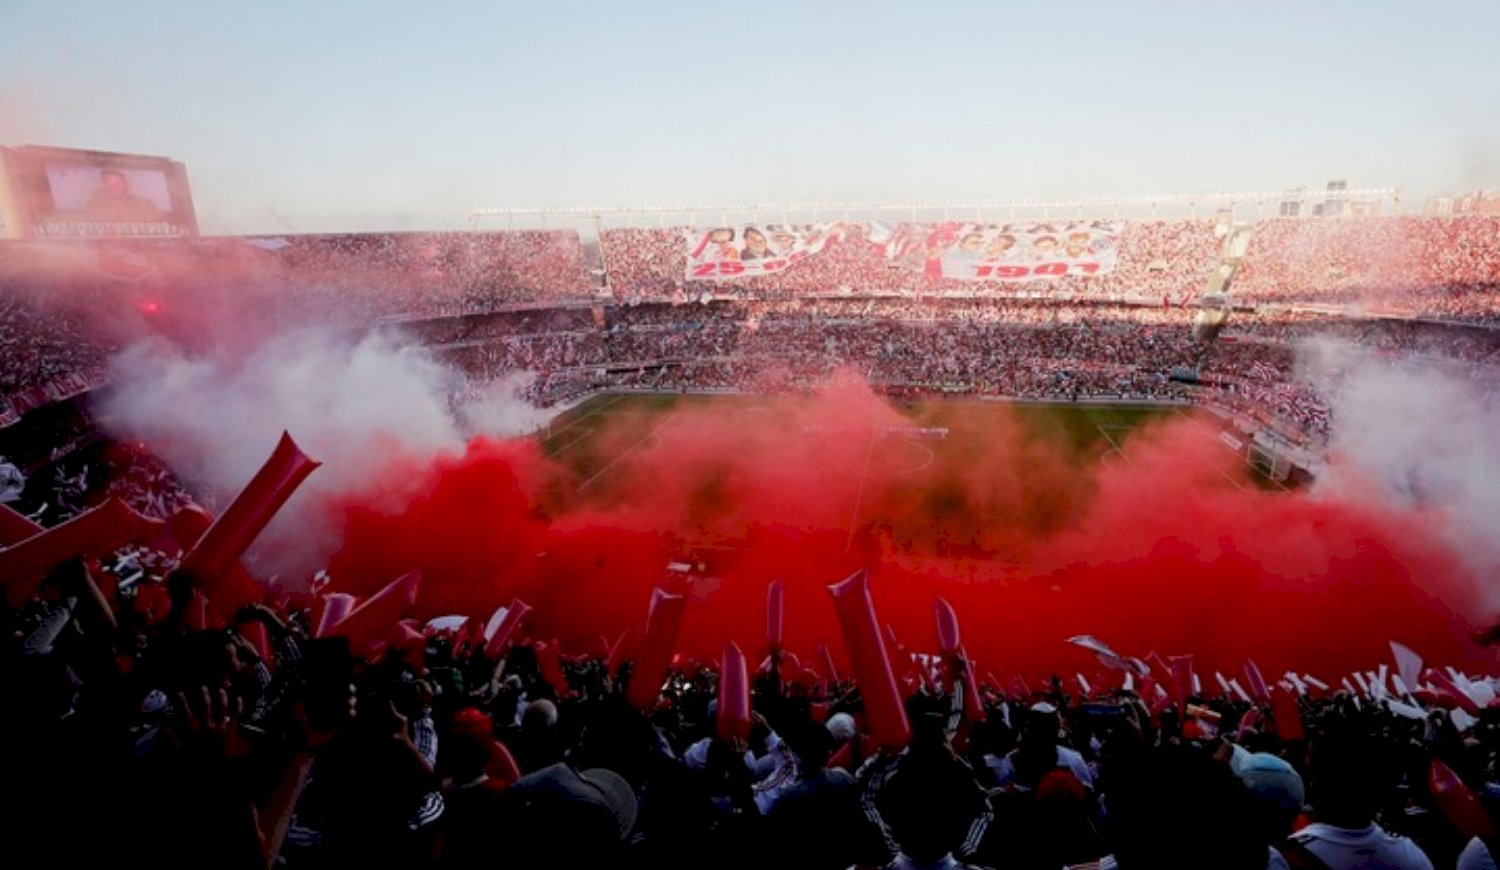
[[727, 253], [1019, 251]]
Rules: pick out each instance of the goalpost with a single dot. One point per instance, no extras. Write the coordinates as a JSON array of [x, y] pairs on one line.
[[1274, 464]]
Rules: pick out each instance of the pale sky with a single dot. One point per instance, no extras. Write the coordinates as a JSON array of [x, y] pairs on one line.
[[350, 115]]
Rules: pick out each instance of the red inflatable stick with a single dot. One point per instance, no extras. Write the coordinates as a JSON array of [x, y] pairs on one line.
[[616, 654], [1181, 668], [104, 529], [663, 619], [255, 632], [734, 696], [1256, 683], [495, 640], [950, 642], [828, 665], [1457, 802], [775, 615], [973, 703], [1286, 715], [198, 616], [549, 662], [189, 524], [15, 528], [949, 639], [336, 606], [370, 620], [228, 538], [872, 666]]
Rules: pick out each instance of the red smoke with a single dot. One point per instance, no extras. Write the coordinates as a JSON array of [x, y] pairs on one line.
[[1171, 550]]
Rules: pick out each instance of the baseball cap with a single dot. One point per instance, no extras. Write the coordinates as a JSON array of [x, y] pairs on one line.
[[1269, 778], [594, 802]]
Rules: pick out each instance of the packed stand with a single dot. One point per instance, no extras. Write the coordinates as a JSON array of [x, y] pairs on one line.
[[1444, 268], [1157, 259], [438, 274], [278, 740]]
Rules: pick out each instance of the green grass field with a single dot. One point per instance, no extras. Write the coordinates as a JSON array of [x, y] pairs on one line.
[[1087, 432], [1013, 467]]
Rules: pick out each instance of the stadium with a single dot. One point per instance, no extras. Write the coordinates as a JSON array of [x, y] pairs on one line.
[[1105, 531]]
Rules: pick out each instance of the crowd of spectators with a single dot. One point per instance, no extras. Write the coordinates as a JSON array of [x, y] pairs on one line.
[[501, 301], [143, 725], [38, 347], [1156, 259], [437, 274], [1442, 268], [172, 739]]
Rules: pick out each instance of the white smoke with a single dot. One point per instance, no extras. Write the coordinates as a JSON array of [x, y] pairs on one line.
[[351, 404], [1422, 431]]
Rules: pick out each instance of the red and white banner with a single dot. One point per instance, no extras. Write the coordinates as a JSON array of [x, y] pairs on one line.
[[1021, 251], [727, 253]]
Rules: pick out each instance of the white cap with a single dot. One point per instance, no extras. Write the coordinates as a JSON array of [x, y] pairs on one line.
[[841, 726]]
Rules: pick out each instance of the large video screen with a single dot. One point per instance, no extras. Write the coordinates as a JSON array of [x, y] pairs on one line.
[[62, 193]]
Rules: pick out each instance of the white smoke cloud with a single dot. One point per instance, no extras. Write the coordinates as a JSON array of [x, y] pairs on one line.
[[351, 404], [1424, 432]]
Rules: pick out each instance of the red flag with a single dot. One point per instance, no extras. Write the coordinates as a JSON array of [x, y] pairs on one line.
[[411, 642], [947, 627], [1458, 802], [888, 724], [385, 608], [104, 529], [549, 661], [15, 528], [228, 538], [504, 627], [734, 696], [663, 620], [1463, 699], [1408, 665], [336, 606], [1258, 689], [775, 614]]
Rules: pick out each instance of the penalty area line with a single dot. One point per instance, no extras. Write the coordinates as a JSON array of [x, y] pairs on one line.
[[626, 452]]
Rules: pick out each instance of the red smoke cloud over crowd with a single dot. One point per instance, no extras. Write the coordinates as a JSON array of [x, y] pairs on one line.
[[1167, 548]]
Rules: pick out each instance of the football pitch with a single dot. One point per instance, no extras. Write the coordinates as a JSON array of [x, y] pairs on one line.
[[944, 432]]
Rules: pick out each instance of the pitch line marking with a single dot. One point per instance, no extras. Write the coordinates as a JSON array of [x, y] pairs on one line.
[[593, 413], [931, 458], [626, 452], [859, 498], [1201, 424], [586, 433]]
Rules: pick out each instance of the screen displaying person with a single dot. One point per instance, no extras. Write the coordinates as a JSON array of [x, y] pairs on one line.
[[112, 201]]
